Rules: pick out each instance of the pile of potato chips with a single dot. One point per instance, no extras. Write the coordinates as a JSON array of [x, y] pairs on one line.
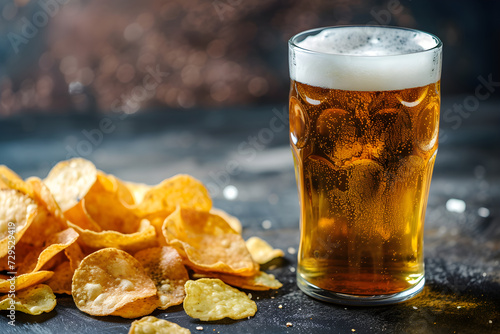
[[122, 248]]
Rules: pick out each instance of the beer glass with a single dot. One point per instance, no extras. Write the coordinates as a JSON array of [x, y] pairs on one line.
[[364, 125]]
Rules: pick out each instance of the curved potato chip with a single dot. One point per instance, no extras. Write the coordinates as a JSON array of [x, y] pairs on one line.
[[53, 245], [260, 282], [78, 215], [181, 190], [75, 255], [261, 251], [108, 280], [17, 212], [10, 180], [164, 266], [44, 226], [207, 242], [231, 220], [157, 222], [150, 325], [49, 220], [69, 181], [210, 299], [62, 279], [34, 300], [24, 281], [56, 260], [42, 194], [22, 250], [144, 238], [122, 191], [137, 308], [138, 190], [104, 205]]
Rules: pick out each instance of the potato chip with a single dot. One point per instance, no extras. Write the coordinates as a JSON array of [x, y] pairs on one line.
[[10, 180], [133, 242], [17, 212], [137, 308], [104, 205], [34, 300], [150, 325], [231, 220], [108, 280], [211, 299], [44, 197], [24, 281], [54, 261], [52, 246], [207, 242], [78, 224], [79, 216], [157, 222], [260, 282], [138, 190], [181, 190], [49, 219], [44, 226], [75, 255], [22, 250], [164, 266], [261, 251], [121, 189], [69, 181], [61, 281]]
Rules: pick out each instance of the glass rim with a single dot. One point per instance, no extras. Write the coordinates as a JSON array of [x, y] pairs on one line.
[[292, 42]]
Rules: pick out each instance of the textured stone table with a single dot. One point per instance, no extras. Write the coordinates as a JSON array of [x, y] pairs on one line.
[[243, 156]]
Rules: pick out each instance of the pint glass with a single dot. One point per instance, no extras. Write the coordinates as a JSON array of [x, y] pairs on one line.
[[364, 124]]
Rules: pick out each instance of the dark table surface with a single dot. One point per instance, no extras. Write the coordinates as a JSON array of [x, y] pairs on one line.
[[462, 244]]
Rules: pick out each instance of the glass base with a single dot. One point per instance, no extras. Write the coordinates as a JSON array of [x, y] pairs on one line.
[[358, 300]]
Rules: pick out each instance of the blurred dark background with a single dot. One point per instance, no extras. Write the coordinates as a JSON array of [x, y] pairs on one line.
[[207, 84], [91, 56]]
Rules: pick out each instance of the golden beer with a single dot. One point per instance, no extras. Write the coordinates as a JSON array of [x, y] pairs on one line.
[[363, 163]]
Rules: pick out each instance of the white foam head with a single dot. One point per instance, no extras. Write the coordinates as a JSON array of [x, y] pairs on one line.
[[365, 58]]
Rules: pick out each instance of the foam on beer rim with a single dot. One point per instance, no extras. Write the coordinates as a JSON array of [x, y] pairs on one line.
[[365, 58]]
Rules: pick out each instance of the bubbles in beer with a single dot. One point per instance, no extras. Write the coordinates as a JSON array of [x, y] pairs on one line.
[[366, 180], [390, 131], [336, 129], [363, 182], [314, 97]]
